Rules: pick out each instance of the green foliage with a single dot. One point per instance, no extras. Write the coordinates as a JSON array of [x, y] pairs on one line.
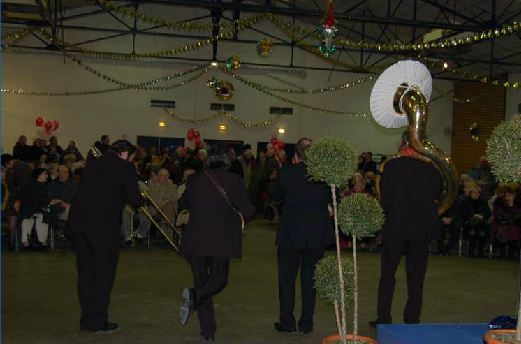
[[326, 279], [360, 215], [332, 161], [504, 150]]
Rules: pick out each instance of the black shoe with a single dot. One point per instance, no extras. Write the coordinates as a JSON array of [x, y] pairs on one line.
[[376, 322], [107, 327], [279, 327], [188, 296], [209, 338]]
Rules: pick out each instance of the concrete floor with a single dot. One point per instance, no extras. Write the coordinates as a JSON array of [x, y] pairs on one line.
[[40, 305]]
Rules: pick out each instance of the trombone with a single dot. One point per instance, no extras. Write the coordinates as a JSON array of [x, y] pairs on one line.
[[175, 241]]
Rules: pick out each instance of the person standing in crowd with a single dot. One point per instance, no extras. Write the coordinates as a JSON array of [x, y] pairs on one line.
[[213, 235], [305, 230], [73, 150], [10, 208], [34, 200], [410, 185], [482, 175], [243, 165], [36, 150], [369, 163], [104, 144], [53, 150], [21, 151], [106, 185]]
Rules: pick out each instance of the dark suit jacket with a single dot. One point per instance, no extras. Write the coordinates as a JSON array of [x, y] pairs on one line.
[[214, 229], [408, 193], [106, 185], [304, 220]]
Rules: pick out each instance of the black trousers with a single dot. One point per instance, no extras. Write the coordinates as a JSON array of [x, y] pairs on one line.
[[96, 261], [416, 255], [210, 278], [289, 261]]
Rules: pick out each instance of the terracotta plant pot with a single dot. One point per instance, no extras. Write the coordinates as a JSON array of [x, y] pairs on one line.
[[336, 339], [490, 337]]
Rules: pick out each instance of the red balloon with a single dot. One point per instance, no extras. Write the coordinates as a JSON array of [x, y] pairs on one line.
[[48, 126], [190, 134], [39, 121], [197, 134], [198, 142], [55, 125]]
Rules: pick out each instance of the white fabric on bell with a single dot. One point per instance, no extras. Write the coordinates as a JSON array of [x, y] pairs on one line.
[[413, 73]]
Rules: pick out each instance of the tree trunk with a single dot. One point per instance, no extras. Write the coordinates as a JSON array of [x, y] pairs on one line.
[[340, 270], [355, 291]]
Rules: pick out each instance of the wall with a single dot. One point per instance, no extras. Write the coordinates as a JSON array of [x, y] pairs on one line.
[[486, 107], [86, 118]]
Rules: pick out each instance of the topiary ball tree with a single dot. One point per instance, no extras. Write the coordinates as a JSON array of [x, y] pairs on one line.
[[327, 286], [359, 215], [333, 161], [504, 150], [504, 155]]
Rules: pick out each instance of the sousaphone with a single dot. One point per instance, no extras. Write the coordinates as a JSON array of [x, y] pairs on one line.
[[400, 97]]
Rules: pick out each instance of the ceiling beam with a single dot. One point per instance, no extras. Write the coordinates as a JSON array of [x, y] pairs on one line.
[[295, 11]]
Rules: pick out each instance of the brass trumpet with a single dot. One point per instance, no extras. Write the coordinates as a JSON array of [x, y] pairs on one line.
[[175, 240]]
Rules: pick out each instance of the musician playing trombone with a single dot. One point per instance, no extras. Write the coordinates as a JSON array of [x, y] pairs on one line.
[[106, 185]]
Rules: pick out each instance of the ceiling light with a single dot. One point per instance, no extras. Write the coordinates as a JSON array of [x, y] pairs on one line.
[[162, 124], [222, 127], [445, 65], [214, 63], [282, 130]]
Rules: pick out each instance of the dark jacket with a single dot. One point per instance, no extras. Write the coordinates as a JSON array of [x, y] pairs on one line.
[[214, 229], [106, 185], [34, 197], [469, 207], [408, 192], [21, 152], [305, 222]]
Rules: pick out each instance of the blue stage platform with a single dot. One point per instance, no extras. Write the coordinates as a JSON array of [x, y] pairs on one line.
[[431, 334]]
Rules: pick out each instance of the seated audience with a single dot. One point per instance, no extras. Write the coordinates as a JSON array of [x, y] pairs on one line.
[[72, 150], [62, 191], [34, 201], [129, 215], [164, 192], [474, 214], [506, 223]]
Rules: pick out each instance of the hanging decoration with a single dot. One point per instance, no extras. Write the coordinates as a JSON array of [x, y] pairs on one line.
[[229, 116], [265, 47], [503, 31], [474, 131], [328, 31], [233, 62], [223, 89]]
